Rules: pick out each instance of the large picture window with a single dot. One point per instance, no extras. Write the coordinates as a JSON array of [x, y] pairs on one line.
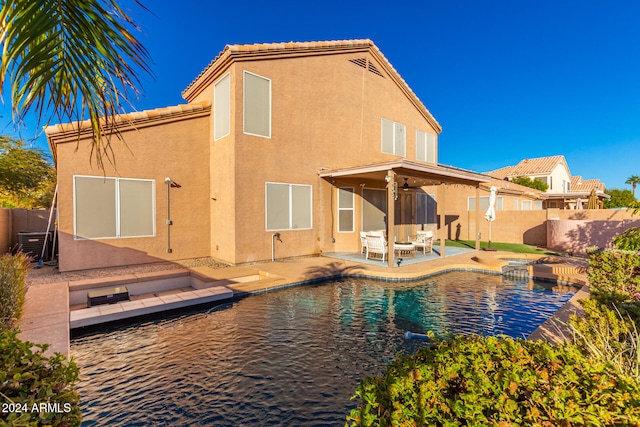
[[393, 138], [257, 105], [222, 107], [425, 147], [288, 206], [107, 208], [345, 210]]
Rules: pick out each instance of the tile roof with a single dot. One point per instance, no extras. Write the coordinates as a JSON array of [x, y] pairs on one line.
[[580, 185], [526, 167], [135, 117]]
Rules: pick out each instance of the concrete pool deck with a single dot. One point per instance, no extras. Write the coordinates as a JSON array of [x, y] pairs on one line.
[[47, 315]]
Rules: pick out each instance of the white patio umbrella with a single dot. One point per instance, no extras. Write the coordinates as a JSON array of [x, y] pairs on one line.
[[490, 215]]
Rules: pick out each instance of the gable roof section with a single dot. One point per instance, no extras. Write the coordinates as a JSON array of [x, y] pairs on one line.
[[528, 167], [250, 52]]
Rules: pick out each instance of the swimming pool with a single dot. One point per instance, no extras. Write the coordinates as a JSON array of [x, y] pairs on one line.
[[290, 357]]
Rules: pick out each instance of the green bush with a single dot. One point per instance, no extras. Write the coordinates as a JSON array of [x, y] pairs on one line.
[[497, 381], [36, 389], [13, 271], [614, 276], [629, 240]]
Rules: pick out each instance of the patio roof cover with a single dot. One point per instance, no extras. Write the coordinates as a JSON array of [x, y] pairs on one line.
[[433, 174], [436, 174]]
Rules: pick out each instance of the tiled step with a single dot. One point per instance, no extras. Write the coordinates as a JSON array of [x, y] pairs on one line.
[[140, 307]]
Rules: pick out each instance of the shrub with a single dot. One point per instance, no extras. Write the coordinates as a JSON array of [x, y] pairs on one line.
[[614, 276], [13, 271], [36, 389], [605, 334], [629, 240], [497, 381]]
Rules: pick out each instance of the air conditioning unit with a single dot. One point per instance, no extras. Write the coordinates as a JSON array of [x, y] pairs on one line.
[[32, 242]]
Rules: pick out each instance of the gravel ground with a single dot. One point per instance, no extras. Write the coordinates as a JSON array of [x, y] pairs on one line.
[[50, 274]]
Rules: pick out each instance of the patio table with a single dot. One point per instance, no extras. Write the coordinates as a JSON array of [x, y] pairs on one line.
[[404, 248]]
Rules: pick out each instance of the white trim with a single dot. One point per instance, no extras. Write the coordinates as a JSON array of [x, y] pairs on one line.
[[404, 143], [244, 94], [116, 207], [214, 109], [352, 209], [290, 207]]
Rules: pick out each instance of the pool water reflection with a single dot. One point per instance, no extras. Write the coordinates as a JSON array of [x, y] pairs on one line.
[[290, 357]]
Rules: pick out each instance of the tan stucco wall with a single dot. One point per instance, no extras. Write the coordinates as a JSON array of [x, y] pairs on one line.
[[326, 113], [178, 149], [510, 226]]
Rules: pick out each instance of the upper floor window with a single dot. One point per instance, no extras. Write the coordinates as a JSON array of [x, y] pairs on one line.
[[425, 147], [222, 107], [393, 138], [257, 105]]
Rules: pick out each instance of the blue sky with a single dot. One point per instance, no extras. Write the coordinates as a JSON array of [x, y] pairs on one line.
[[506, 79]]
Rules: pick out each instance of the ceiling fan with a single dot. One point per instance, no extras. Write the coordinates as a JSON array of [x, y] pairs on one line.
[[406, 185]]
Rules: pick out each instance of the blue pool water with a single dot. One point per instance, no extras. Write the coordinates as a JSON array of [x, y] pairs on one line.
[[290, 357]]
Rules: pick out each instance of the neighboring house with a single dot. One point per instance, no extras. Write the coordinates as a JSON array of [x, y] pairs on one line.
[[565, 191], [308, 142]]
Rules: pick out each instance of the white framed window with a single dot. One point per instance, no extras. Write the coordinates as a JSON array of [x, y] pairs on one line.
[[288, 206], [426, 209], [346, 211], [394, 139], [526, 205], [425, 147], [484, 203], [516, 204], [537, 205], [257, 105], [222, 107], [108, 208]]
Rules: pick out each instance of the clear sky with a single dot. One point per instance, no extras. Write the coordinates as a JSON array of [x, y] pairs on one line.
[[506, 79]]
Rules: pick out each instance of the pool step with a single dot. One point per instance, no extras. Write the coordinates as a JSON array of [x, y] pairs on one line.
[[140, 307]]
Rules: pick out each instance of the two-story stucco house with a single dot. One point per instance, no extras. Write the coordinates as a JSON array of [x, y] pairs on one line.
[[312, 142]]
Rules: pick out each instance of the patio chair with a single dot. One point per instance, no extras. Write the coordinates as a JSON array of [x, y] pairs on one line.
[[363, 242], [423, 239], [376, 245]]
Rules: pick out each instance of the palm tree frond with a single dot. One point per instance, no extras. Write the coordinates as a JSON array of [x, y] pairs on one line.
[[71, 58]]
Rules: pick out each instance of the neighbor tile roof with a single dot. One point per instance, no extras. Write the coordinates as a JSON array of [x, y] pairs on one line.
[[527, 167], [580, 185]]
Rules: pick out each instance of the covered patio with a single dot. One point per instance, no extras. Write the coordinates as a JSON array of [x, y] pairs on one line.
[[398, 197]]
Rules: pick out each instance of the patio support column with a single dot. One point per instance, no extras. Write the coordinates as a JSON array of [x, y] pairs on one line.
[[443, 224], [391, 221], [477, 217]]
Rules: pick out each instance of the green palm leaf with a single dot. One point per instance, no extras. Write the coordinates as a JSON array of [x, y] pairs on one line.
[[71, 60]]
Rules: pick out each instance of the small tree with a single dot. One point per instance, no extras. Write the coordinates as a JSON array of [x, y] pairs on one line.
[[619, 198], [531, 183], [27, 179]]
